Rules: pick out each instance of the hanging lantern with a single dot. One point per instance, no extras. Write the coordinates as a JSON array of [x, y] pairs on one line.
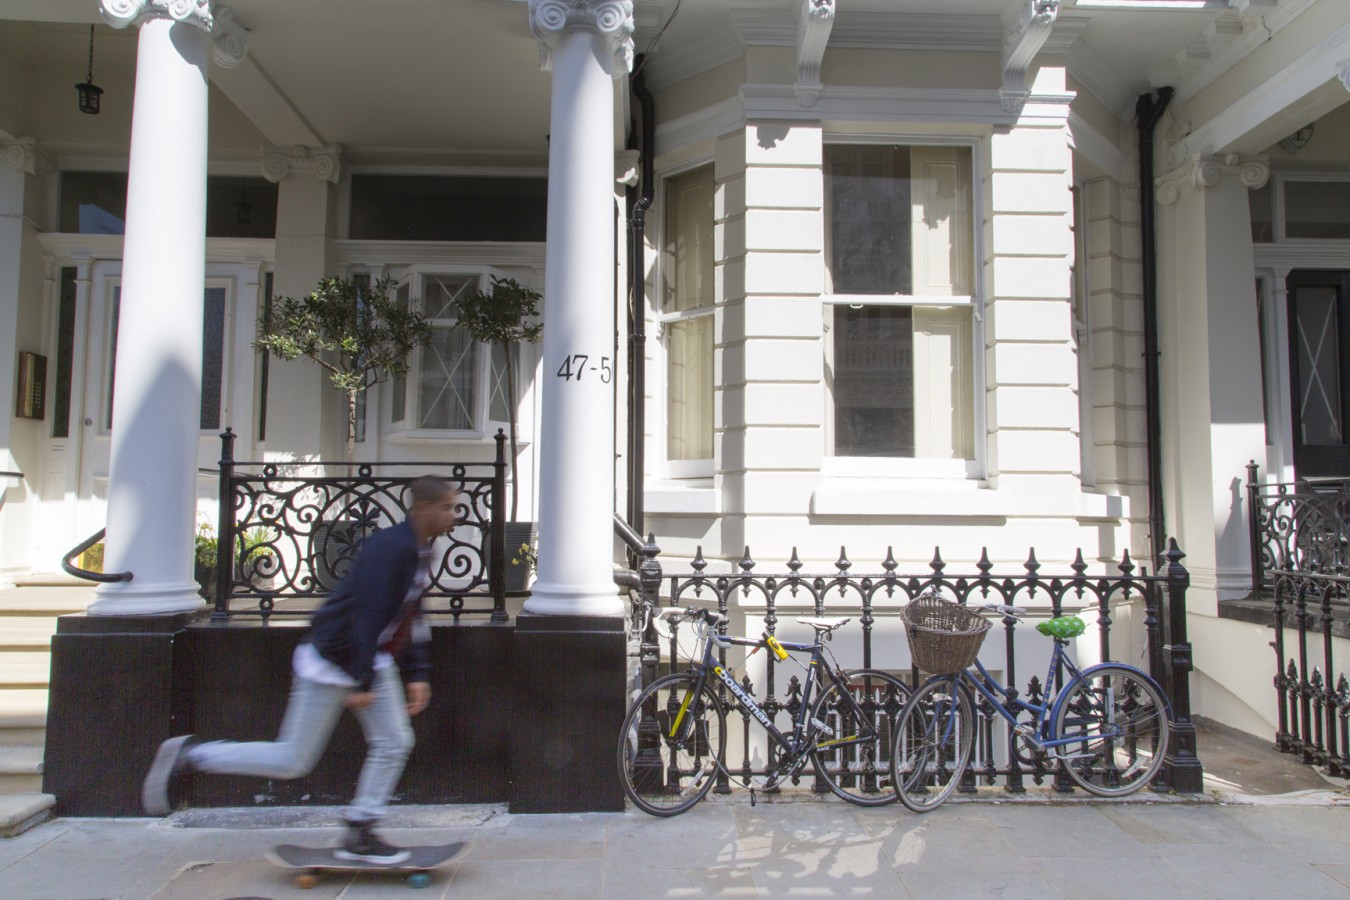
[[89, 92]]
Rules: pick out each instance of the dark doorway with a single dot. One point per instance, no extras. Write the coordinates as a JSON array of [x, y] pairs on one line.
[[1319, 360]]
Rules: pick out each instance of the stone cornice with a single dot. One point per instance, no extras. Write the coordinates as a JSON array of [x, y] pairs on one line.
[[1029, 28], [229, 39], [1205, 171], [324, 163], [813, 33], [611, 19], [24, 155]]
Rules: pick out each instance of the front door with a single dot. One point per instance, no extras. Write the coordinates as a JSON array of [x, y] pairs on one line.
[[1319, 360]]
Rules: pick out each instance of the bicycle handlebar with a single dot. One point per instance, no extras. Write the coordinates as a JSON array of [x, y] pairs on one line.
[[691, 612], [1004, 609]]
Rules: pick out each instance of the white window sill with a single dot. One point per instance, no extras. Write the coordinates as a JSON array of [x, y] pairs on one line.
[[425, 436], [916, 500], [673, 499]]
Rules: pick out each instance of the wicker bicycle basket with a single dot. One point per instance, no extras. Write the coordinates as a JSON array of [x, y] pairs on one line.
[[944, 637]]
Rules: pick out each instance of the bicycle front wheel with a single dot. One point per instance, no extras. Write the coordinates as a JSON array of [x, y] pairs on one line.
[[672, 743], [932, 743], [1119, 722], [851, 749]]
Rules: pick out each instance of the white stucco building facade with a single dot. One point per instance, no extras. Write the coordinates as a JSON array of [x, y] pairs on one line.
[[894, 269]]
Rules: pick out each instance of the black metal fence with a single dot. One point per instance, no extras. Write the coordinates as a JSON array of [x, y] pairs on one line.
[[883, 594], [1313, 711], [1297, 526], [285, 539]]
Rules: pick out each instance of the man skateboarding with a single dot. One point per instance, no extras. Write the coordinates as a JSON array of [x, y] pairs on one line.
[[370, 625]]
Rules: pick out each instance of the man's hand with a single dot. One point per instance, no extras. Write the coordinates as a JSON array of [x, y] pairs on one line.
[[419, 695], [359, 700]]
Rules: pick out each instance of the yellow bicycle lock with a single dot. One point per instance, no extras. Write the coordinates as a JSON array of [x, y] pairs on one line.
[[772, 643]]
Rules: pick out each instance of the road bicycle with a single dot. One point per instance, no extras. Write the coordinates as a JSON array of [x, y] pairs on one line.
[[672, 746], [1108, 725]]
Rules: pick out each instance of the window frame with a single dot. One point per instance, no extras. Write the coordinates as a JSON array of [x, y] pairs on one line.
[[704, 467], [483, 427], [834, 465], [1279, 223]]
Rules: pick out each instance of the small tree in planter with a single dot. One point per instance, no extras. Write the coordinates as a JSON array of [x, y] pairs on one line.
[[504, 317], [354, 331]]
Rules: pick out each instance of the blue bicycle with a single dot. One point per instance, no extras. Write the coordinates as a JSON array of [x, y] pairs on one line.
[[1108, 725]]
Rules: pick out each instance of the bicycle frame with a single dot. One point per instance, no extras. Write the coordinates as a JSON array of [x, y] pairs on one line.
[[794, 746]]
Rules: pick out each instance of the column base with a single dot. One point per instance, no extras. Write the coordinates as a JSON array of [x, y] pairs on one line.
[[116, 692], [128, 598], [569, 700], [575, 600]]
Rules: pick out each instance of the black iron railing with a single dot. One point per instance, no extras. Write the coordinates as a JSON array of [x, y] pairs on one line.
[[285, 539], [1301, 526], [872, 596], [1313, 711]]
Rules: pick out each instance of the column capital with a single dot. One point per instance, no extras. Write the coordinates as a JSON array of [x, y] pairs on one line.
[[611, 19], [1205, 171], [229, 39], [24, 155], [324, 163]]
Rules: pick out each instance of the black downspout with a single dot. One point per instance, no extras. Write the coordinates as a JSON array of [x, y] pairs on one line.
[[1148, 112], [637, 307]]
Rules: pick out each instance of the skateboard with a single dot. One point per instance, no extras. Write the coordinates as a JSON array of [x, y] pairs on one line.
[[313, 861]]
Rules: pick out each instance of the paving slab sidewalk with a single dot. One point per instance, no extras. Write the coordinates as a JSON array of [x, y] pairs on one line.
[[723, 848]]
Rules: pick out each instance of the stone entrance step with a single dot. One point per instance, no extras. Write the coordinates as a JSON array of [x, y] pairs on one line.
[[20, 812], [20, 770]]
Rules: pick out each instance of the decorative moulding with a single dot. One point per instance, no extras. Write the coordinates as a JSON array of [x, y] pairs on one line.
[[230, 39], [1205, 171], [911, 31], [24, 155], [813, 33], [324, 163], [611, 19], [1030, 27]]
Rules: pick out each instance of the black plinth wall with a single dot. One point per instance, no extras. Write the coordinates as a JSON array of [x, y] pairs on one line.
[[119, 685], [495, 731], [569, 688]]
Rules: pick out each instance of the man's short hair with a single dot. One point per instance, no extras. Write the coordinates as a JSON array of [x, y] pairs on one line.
[[429, 489]]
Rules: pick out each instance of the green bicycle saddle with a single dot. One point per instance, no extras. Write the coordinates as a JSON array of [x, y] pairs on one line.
[[1062, 627]]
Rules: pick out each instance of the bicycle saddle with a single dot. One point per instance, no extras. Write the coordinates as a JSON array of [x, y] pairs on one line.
[[1062, 627], [824, 624]]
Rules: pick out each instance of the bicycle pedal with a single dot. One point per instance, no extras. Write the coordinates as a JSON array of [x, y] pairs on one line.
[[708, 768]]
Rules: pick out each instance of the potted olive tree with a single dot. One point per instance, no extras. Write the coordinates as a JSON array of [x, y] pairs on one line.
[[360, 336], [505, 316]]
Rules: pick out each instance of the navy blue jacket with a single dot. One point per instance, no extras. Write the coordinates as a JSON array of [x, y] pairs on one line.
[[347, 628]]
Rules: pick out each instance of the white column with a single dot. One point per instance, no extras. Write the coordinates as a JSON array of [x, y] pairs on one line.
[[588, 43], [153, 468]]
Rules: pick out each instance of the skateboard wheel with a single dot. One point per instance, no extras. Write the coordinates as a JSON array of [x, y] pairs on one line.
[[306, 881], [419, 880]]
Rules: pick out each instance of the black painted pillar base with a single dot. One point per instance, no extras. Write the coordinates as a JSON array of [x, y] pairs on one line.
[[117, 690], [569, 701]]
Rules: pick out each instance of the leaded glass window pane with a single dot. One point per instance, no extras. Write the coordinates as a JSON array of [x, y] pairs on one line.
[[1317, 334], [445, 389]]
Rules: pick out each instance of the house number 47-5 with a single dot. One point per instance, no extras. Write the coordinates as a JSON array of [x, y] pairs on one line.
[[577, 364]]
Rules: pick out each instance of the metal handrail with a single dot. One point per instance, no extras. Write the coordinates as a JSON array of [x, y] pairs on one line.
[[101, 577], [628, 534], [11, 475]]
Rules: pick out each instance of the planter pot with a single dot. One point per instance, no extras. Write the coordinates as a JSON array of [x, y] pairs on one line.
[[206, 581], [518, 573]]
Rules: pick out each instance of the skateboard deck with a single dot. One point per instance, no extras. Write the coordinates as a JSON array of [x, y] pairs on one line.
[[316, 859]]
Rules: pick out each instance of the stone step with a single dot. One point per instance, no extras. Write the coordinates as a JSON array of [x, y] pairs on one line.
[[20, 812], [20, 770], [53, 601], [25, 669], [26, 632], [23, 718]]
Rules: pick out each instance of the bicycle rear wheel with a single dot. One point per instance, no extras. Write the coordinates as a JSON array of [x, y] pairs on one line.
[[1120, 722], [932, 743], [671, 745], [858, 770]]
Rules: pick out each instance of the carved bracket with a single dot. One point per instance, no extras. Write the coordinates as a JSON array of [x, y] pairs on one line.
[[1205, 171], [1343, 74], [229, 39], [626, 167], [611, 19], [813, 33], [324, 163], [23, 155], [1028, 30]]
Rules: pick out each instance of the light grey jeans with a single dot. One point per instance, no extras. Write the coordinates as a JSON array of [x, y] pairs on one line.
[[311, 715]]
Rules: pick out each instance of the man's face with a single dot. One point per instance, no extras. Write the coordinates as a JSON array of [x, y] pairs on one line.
[[436, 517]]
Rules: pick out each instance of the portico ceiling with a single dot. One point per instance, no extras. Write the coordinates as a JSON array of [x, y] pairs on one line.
[[442, 81]]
